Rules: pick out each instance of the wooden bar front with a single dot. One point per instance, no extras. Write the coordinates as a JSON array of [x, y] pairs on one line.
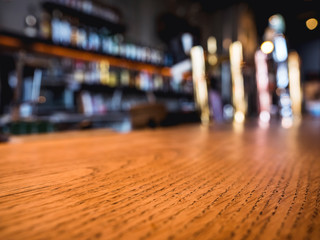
[[188, 182]]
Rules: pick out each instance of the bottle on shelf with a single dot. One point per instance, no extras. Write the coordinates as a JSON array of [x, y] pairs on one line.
[[45, 25], [56, 27], [125, 77], [93, 40], [31, 24], [82, 38], [104, 73], [113, 79], [74, 32], [69, 30]]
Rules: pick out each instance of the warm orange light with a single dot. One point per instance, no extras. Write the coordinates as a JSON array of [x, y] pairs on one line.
[[267, 47], [212, 45], [199, 82], [42, 99], [294, 83], [90, 56], [239, 117], [264, 116], [212, 59], [262, 82], [238, 96], [286, 122], [312, 23]]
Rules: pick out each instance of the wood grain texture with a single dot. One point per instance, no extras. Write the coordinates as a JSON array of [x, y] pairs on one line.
[[187, 182]]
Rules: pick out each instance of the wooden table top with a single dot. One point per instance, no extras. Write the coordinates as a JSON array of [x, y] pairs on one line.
[[186, 182]]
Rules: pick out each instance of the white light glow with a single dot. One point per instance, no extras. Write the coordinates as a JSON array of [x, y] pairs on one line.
[[286, 112], [236, 59], [239, 117], [276, 22], [212, 45], [262, 81], [285, 100], [263, 125], [187, 42], [179, 69], [267, 47], [199, 82], [282, 75], [280, 52], [287, 122], [264, 116], [285, 105], [228, 111]]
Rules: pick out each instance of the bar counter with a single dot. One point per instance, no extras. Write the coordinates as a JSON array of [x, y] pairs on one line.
[[185, 182]]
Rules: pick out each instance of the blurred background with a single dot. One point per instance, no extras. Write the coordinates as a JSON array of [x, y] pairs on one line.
[[125, 64]]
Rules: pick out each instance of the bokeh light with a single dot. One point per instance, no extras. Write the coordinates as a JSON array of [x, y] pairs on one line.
[[267, 47], [311, 23]]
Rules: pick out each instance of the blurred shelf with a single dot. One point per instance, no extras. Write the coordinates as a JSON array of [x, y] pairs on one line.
[[70, 121], [112, 116], [109, 116], [103, 88], [96, 87], [36, 45], [85, 18], [172, 94], [118, 120]]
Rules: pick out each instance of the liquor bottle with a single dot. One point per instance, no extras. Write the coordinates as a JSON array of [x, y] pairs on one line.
[[144, 54], [137, 81], [65, 31], [31, 25], [45, 25], [168, 59], [153, 56], [78, 73], [139, 53], [148, 55], [104, 72], [104, 40], [60, 29], [128, 51], [117, 41], [113, 79], [94, 40], [109, 45], [125, 77], [158, 82], [87, 6], [87, 103], [74, 32], [132, 79], [55, 26], [82, 38], [123, 50], [97, 75], [78, 5], [133, 52]]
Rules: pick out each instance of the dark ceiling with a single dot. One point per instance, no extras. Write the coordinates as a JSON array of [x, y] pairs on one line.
[[295, 14]]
